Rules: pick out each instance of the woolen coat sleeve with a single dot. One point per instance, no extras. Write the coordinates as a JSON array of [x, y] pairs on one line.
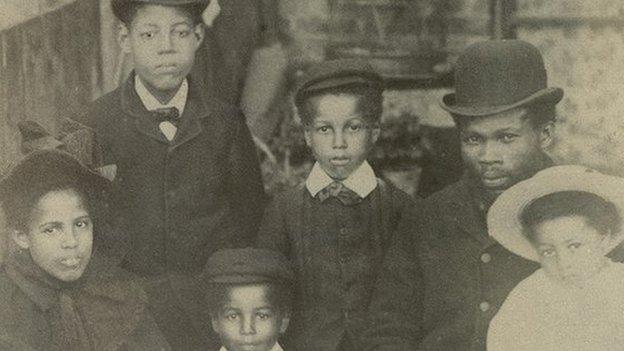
[[147, 336], [245, 182], [395, 312], [273, 232]]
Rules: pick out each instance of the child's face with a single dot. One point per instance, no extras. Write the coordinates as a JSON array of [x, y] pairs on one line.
[[571, 251], [248, 321], [59, 236], [339, 136], [162, 41]]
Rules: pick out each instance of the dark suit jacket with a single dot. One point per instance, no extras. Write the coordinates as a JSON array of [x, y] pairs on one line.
[[178, 202], [336, 251]]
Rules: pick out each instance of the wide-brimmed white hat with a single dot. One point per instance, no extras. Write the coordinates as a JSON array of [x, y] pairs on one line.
[[504, 216]]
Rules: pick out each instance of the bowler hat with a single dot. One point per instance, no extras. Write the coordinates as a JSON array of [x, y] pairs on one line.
[[120, 7], [505, 225], [248, 265], [498, 75], [337, 73], [46, 169]]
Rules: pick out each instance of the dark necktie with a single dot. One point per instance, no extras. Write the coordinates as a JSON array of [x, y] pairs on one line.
[[167, 114], [336, 189]]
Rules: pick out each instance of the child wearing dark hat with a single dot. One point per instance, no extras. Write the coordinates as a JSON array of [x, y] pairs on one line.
[[336, 226], [186, 180], [57, 290], [249, 298]]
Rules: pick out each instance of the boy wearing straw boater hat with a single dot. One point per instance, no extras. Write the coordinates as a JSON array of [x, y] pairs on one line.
[[186, 180], [443, 269], [567, 218]]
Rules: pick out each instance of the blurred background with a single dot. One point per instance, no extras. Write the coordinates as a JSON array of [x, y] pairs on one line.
[[58, 55]]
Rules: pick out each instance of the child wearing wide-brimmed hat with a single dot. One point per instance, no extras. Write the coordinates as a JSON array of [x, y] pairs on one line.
[[567, 218]]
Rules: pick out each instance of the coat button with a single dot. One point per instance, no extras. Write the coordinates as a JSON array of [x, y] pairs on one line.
[[486, 258], [343, 231], [484, 306]]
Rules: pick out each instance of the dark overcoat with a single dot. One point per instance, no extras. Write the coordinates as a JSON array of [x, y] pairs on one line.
[[444, 278], [336, 251], [179, 201], [111, 305]]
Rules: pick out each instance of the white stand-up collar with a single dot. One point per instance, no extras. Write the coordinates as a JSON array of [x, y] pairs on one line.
[[151, 103], [362, 181]]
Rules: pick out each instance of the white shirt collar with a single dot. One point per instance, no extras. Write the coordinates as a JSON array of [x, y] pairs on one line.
[[275, 347], [151, 103], [362, 181]]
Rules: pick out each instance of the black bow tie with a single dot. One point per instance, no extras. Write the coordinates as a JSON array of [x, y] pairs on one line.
[[345, 195], [167, 114]]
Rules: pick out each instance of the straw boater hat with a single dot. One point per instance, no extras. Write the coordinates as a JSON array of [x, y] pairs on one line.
[[498, 75], [504, 216]]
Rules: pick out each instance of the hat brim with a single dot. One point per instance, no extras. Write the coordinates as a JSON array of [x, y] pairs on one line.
[[504, 216], [15, 180], [120, 7], [551, 95], [240, 279]]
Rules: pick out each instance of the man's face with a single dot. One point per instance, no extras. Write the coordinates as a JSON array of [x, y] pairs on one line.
[[162, 41], [502, 149], [339, 136]]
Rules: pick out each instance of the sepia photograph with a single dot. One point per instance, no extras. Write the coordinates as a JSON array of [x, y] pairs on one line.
[[311, 175]]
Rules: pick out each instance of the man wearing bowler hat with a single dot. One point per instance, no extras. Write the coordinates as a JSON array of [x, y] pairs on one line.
[[443, 278]]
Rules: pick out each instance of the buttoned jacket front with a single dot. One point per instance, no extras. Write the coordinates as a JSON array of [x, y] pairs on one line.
[[179, 201], [443, 278]]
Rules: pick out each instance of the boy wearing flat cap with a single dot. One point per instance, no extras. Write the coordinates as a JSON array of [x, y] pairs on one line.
[[336, 226], [444, 278], [249, 298], [186, 181]]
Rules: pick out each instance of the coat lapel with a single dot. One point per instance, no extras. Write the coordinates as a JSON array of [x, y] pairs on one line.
[[143, 121], [195, 110], [463, 211], [139, 117]]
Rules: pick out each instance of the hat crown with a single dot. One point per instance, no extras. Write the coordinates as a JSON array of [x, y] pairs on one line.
[[498, 72], [337, 73], [248, 265], [44, 168]]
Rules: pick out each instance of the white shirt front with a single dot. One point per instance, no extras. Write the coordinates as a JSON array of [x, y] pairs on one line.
[[151, 103], [275, 347], [362, 181], [541, 315]]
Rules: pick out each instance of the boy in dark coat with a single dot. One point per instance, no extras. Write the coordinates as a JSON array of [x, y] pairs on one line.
[[57, 290], [186, 180], [336, 226]]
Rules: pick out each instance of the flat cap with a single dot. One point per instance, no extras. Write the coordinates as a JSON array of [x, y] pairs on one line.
[[248, 265], [337, 73], [120, 7]]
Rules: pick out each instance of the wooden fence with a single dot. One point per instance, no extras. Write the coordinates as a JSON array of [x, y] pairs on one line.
[[50, 68]]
